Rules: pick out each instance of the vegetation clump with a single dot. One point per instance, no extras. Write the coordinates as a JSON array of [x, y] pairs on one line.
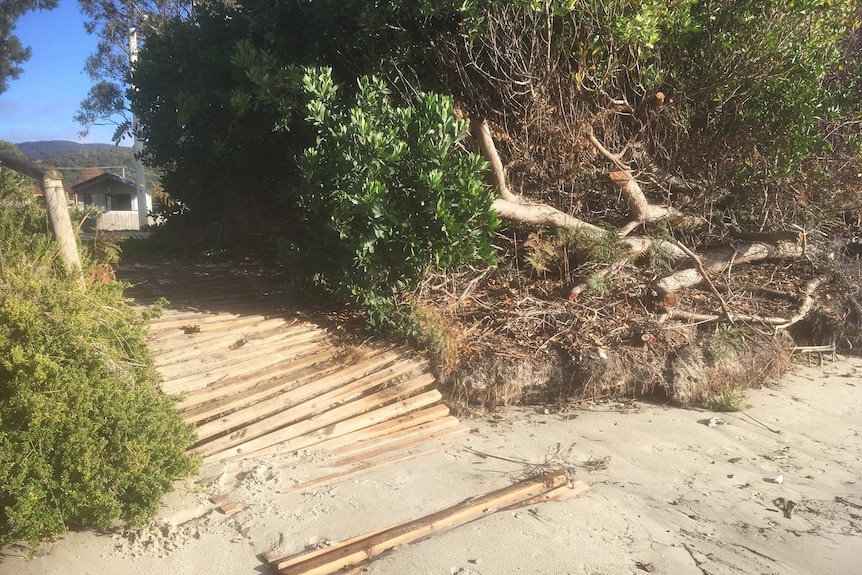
[[86, 437]]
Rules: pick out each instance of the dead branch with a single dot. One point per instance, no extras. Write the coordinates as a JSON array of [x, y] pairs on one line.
[[699, 265], [778, 323], [639, 207], [542, 215], [717, 260], [482, 133], [807, 302]]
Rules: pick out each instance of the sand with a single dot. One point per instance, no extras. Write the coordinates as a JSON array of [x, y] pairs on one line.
[[672, 491]]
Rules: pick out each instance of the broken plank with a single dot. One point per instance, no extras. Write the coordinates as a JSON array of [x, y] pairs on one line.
[[346, 555], [269, 432], [363, 437], [448, 428], [312, 397], [213, 397]]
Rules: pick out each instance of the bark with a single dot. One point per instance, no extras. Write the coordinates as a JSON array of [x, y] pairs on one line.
[[61, 224], [543, 215], [717, 260], [639, 207], [482, 133]]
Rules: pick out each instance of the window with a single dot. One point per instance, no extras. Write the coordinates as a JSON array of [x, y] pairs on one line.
[[120, 202]]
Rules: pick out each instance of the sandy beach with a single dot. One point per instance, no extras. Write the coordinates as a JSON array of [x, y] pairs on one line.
[[774, 489]]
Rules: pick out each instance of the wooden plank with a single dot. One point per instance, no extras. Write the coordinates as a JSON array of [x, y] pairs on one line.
[[204, 325], [396, 434], [346, 555], [256, 366], [230, 358], [271, 431], [352, 424], [227, 357], [365, 436], [561, 493], [448, 428], [306, 369], [287, 559], [368, 364], [199, 346], [325, 393], [368, 466], [228, 388]]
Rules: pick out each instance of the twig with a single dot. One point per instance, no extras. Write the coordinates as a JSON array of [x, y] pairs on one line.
[[472, 285], [706, 277], [757, 421]]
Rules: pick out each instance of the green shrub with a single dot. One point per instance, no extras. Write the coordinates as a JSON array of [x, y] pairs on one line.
[[86, 437], [386, 195]]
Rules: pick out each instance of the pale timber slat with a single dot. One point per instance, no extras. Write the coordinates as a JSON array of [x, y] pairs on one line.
[[342, 556], [408, 441], [251, 438], [308, 399], [248, 366], [196, 348], [323, 365], [311, 439], [362, 437], [227, 358], [217, 399], [366, 448]]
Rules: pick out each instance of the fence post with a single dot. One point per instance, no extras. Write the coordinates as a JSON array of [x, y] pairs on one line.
[[56, 204], [58, 216]]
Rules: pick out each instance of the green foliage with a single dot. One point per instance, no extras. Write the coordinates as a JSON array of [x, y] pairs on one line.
[[13, 53], [723, 345], [386, 195], [86, 437], [727, 400], [428, 330]]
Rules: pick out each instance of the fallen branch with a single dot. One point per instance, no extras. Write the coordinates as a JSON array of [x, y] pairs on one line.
[[543, 215], [779, 323], [807, 302], [699, 265], [482, 133], [717, 260]]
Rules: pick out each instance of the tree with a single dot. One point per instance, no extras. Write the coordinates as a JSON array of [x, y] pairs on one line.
[[108, 66], [710, 106], [13, 53]]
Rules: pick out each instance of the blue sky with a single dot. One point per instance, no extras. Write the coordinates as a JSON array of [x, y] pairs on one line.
[[39, 105]]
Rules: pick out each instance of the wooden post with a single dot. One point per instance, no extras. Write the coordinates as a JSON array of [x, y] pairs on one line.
[[55, 202], [61, 224]]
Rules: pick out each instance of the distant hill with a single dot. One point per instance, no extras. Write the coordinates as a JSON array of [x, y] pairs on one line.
[[53, 148], [72, 158]]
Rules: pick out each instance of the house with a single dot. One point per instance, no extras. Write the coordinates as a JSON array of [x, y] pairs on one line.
[[117, 198]]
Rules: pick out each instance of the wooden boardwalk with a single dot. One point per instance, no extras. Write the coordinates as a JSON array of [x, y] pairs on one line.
[[261, 380]]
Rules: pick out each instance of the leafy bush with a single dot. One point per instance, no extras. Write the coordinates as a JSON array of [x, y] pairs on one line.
[[386, 195], [85, 435]]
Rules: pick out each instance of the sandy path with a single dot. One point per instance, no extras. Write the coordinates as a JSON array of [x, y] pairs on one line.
[[669, 495]]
